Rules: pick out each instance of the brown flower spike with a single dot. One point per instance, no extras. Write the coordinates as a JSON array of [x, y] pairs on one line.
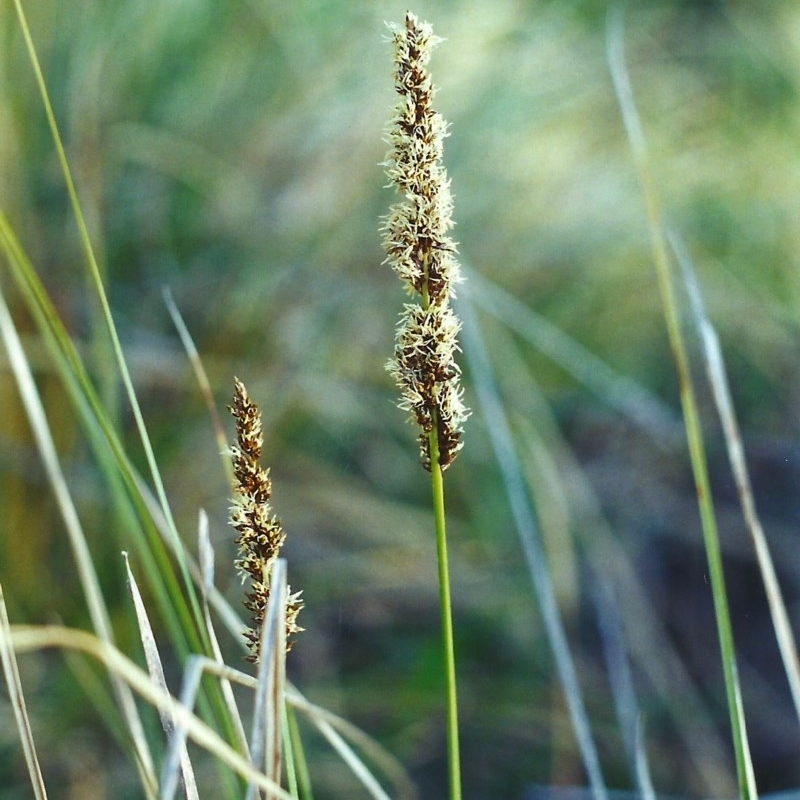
[[260, 533], [419, 250]]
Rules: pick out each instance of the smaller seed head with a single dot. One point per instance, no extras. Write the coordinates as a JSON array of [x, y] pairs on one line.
[[260, 534]]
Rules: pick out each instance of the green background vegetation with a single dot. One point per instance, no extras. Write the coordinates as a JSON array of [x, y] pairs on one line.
[[229, 151]]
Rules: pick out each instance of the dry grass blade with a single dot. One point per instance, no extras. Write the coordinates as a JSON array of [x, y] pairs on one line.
[[206, 555], [345, 752], [8, 657], [333, 724], [80, 549], [330, 725], [196, 667], [156, 670], [357, 766], [718, 378], [269, 701], [27, 638]]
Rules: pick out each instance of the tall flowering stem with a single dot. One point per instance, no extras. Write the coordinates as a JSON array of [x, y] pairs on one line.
[[260, 534], [419, 249]]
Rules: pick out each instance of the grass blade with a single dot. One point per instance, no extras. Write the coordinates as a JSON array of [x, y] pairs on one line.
[[97, 283], [27, 638], [268, 718], [334, 724], [206, 555], [80, 549], [643, 778], [17, 698], [617, 666], [718, 378], [744, 765], [102, 436], [202, 379], [156, 670]]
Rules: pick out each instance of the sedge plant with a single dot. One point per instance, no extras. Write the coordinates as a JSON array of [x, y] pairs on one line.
[[419, 249]]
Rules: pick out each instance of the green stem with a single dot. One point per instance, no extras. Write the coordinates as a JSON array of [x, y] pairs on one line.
[[697, 456], [298, 779], [437, 484], [694, 435]]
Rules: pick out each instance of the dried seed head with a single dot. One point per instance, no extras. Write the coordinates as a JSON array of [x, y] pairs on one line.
[[418, 247], [260, 534]]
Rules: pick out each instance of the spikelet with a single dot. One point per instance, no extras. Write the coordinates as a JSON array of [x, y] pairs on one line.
[[260, 534], [418, 248]]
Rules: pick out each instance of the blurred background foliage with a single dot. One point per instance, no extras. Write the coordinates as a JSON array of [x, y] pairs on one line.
[[230, 151]]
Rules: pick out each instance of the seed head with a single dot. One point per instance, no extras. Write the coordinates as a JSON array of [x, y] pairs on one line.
[[415, 236], [260, 534]]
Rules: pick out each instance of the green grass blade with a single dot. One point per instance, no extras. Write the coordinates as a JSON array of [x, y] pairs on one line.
[[717, 377], [146, 520], [101, 433], [298, 776], [633, 127], [97, 283]]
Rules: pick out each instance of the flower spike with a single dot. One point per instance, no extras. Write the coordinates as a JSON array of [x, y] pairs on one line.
[[261, 535], [419, 249]]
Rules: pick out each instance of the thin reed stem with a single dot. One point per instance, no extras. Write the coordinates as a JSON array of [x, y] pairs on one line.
[[445, 607], [419, 249]]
